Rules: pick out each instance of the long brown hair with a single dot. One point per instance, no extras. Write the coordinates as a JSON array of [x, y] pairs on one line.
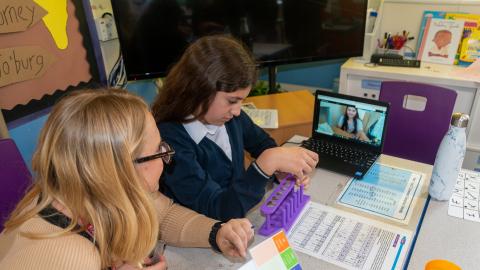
[[211, 64], [84, 160], [345, 119]]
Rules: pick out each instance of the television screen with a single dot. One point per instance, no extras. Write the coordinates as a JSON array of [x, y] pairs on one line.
[[154, 33]]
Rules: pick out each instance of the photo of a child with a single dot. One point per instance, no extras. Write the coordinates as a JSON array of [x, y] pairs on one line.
[[441, 44], [350, 125], [352, 122]]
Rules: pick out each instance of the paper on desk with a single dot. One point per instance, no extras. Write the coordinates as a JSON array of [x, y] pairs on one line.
[[470, 72], [384, 191], [349, 241], [264, 118], [297, 139], [466, 196], [273, 253], [250, 265], [248, 105]]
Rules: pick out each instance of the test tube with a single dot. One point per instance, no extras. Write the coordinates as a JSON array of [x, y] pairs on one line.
[[267, 222], [292, 206], [289, 211]]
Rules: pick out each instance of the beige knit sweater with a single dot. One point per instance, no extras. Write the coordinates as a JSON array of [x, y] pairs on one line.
[[179, 226]]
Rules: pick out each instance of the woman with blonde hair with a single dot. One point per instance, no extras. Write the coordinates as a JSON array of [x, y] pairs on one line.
[[95, 202]]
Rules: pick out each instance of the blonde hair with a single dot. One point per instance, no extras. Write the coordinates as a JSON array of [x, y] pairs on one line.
[[84, 160]]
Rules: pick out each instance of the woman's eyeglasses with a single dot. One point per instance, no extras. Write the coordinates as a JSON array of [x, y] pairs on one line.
[[166, 153]]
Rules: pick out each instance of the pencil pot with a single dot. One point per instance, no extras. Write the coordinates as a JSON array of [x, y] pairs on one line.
[[449, 159]]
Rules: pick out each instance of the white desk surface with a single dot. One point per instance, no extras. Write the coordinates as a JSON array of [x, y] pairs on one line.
[[444, 237], [325, 188]]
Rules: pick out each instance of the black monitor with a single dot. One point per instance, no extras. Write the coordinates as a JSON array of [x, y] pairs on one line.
[[154, 33]]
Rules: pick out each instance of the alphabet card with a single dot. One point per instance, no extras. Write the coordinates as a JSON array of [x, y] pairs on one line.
[[464, 202]]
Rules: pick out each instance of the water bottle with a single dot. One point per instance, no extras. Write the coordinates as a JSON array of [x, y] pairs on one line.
[[449, 159], [372, 17]]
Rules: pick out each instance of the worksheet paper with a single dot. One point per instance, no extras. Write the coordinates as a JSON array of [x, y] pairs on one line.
[[384, 191], [348, 240], [264, 118], [466, 196]]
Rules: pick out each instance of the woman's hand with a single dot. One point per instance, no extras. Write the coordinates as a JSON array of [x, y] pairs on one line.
[[161, 265], [295, 160], [233, 237]]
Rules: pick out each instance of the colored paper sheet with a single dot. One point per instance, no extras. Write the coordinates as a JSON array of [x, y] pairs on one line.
[[274, 253], [56, 20], [385, 191], [23, 63], [349, 241], [19, 15]]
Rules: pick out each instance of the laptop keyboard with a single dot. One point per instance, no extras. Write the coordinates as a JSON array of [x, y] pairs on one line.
[[356, 157]]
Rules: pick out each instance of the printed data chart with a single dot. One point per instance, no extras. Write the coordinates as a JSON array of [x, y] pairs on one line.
[[464, 202], [349, 241], [384, 191]]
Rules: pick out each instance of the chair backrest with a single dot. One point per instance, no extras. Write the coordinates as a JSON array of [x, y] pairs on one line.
[[416, 135], [15, 178]]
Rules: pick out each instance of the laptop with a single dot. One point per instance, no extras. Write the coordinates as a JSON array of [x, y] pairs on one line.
[[348, 132]]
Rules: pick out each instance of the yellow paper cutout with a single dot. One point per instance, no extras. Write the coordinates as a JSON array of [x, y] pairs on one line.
[[56, 20]]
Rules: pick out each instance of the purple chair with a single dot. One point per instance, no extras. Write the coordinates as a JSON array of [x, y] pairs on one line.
[[15, 178], [416, 135]]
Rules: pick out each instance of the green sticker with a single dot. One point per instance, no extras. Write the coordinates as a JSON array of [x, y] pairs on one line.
[[289, 258]]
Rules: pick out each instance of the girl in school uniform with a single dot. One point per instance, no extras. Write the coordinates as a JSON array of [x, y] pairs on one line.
[[198, 112], [95, 202], [350, 125]]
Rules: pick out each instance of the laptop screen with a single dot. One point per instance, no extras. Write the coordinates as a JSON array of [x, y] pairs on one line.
[[350, 118]]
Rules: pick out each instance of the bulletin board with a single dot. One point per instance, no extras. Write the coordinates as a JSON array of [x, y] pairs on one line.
[[45, 51]]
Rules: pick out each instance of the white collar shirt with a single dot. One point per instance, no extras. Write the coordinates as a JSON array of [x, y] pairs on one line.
[[218, 134]]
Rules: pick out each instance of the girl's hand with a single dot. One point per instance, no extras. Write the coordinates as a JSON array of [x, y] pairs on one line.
[[305, 181], [295, 160], [233, 237]]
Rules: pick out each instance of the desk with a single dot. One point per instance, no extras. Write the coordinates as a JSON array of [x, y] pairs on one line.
[[445, 237], [295, 113], [325, 188]]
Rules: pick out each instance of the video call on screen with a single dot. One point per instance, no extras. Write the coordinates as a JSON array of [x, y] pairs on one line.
[[351, 120]]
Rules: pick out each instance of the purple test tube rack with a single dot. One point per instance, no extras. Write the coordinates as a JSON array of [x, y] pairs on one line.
[[282, 207]]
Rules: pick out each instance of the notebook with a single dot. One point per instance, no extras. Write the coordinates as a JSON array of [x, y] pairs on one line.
[[348, 132]]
